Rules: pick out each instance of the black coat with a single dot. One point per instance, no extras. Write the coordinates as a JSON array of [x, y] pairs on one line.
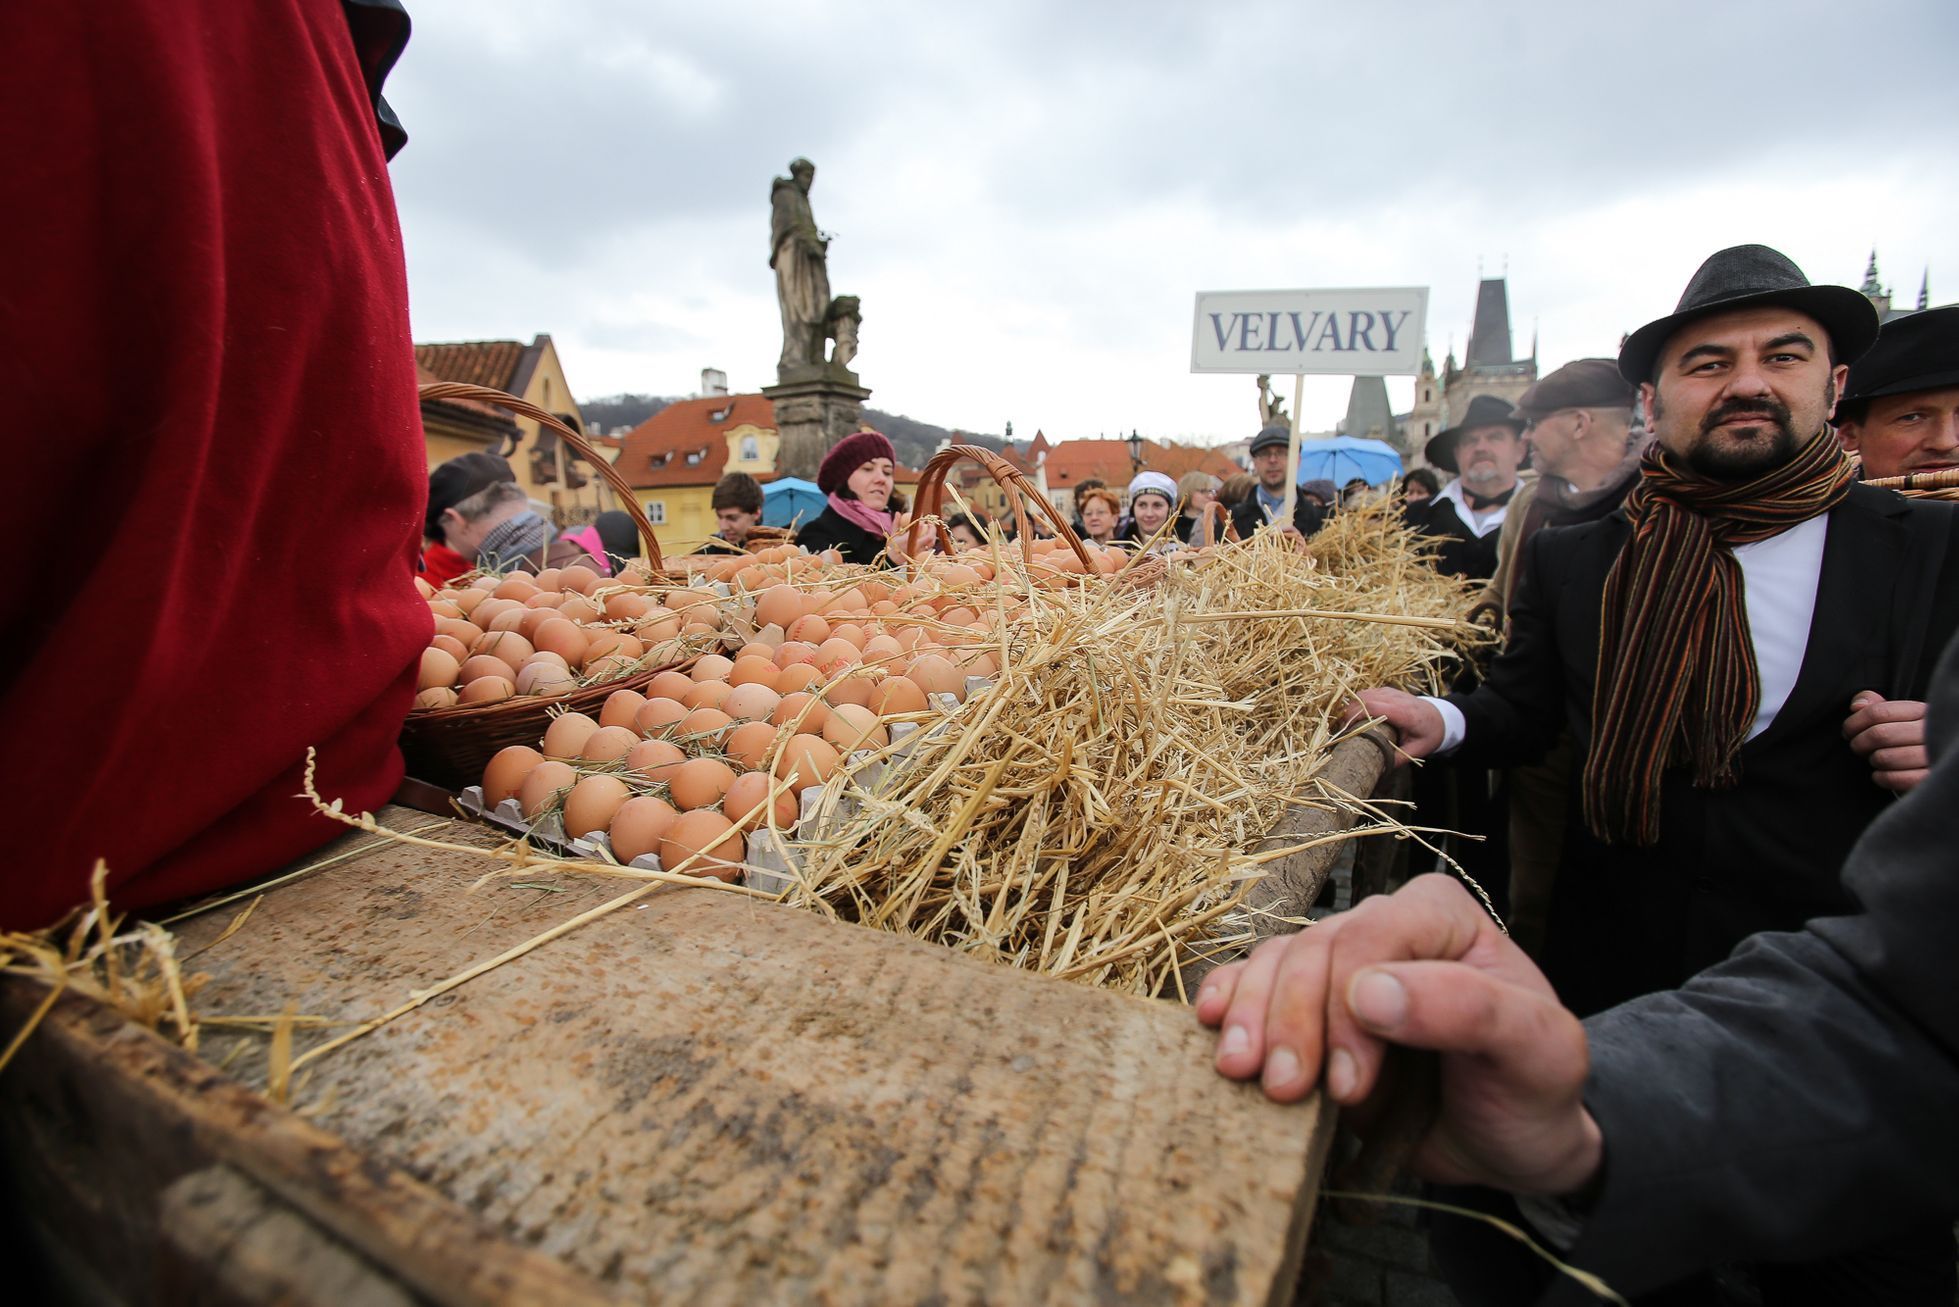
[[832, 530], [1459, 551], [1765, 854], [1249, 516]]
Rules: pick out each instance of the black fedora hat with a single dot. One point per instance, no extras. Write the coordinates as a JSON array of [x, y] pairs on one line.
[[1744, 276], [1483, 411], [1917, 352]]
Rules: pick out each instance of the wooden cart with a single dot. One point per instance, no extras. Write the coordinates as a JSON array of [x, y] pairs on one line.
[[699, 1098]]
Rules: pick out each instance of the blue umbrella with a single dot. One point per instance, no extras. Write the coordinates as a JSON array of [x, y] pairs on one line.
[[1340, 459], [791, 501]]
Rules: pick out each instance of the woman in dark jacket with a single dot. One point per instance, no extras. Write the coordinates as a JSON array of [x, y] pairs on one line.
[[857, 476]]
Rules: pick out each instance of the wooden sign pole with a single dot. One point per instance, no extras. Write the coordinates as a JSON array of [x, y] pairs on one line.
[[1292, 451]]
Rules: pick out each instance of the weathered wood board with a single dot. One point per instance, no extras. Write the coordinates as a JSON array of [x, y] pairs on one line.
[[705, 1098]]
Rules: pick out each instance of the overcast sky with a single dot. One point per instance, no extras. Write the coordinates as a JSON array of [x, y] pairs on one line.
[[1027, 196]]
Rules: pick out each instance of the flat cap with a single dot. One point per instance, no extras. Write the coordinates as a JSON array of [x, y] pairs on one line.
[[1584, 383], [1270, 436]]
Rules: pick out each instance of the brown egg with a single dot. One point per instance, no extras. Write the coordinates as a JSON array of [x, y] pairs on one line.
[[699, 783], [751, 670], [881, 649], [466, 633], [853, 726], [621, 708], [626, 607], [582, 579], [424, 589], [603, 644], [592, 802], [851, 634], [753, 649], [540, 789], [518, 588], [977, 661], [654, 759], [438, 669], [506, 771], [656, 627], [450, 645], [490, 609], [477, 665], [747, 804], [897, 694], [443, 608], [712, 667], [487, 689], [439, 697], [711, 836], [750, 703], [836, 653], [639, 826], [669, 685], [810, 629], [634, 573], [806, 760], [516, 619], [565, 737], [507, 645], [797, 677], [793, 652], [577, 608], [545, 680], [936, 675], [656, 715], [485, 583], [792, 707], [699, 632], [544, 599], [709, 725], [778, 605], [961, 616], [551, 578], [849, 689], [564, 638], [546, 656], [751, 743], [608, 742], [708, 694]]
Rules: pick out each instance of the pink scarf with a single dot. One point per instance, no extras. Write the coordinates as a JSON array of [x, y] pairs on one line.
[[877, 523], [587, 538]]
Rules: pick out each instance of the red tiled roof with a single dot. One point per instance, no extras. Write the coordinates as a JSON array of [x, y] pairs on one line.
[[490, 363], [468, 416], [655, 452], [1071, 462]]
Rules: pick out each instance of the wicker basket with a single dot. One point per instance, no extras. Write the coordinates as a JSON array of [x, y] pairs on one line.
[[450, 746], [1922, 485], [930, 502]]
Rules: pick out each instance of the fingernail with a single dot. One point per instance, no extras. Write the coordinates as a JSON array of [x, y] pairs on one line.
[[1341, 1073], [1235, 1041], [1281, 1068], [1378, 1000]]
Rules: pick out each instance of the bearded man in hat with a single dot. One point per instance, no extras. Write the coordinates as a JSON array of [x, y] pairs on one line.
[[1485, 450], [1900, 412], [1704, 645]]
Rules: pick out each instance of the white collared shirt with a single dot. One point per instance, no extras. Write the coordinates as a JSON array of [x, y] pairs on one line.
[[1482, 523], [1779, 577]]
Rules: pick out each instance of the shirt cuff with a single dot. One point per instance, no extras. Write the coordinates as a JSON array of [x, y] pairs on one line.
[[1454, 726]]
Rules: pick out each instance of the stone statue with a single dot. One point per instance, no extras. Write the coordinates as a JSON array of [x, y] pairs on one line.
[[845, 317], [1271, 408], [798, 252]]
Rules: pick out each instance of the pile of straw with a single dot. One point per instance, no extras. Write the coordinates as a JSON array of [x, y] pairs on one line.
[[1092, 813]]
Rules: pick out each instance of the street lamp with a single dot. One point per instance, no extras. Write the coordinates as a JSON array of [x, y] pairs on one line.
[[1135, 450]]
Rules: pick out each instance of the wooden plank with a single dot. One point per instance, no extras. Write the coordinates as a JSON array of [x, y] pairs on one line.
[[1292, 883], [719, 1100]]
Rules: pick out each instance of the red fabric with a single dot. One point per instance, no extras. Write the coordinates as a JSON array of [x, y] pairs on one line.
[[204, 340], [441, 565]]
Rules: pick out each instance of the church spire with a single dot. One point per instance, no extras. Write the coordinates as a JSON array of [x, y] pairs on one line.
[[1871, 284], [1925, 287]]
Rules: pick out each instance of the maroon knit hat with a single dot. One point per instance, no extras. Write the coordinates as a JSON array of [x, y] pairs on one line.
[[849, 454]]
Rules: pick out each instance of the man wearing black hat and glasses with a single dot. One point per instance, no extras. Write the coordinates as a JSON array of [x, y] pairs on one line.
[[1704, 646], [1270, 452], [1484, 450]]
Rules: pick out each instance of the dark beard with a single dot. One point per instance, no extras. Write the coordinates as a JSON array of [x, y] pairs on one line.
[[1719, 463]]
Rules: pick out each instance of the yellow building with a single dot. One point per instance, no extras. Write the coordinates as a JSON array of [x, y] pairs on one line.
[[547, 470], [674, 458]]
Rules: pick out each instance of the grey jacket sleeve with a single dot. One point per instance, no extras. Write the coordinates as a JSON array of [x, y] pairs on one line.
[[1802, 1097]]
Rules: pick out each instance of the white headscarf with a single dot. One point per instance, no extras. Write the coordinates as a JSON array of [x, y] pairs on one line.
[[1153, 483]]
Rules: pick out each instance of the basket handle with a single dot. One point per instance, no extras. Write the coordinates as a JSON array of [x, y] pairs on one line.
[[931, 499], [1214, 511], [630, 501]]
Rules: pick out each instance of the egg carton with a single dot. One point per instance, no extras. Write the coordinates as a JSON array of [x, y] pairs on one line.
[[766, 868]]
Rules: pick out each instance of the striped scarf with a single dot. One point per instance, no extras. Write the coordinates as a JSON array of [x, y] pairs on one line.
[[1676, 683]]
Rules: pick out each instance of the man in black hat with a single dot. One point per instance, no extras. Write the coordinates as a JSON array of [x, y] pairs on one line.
[[1704, 645], [1485, 450], [1900, 412], [1578, 422], [1270, 452]]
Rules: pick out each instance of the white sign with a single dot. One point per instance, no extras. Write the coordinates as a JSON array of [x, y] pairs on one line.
[[1355, 333]]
